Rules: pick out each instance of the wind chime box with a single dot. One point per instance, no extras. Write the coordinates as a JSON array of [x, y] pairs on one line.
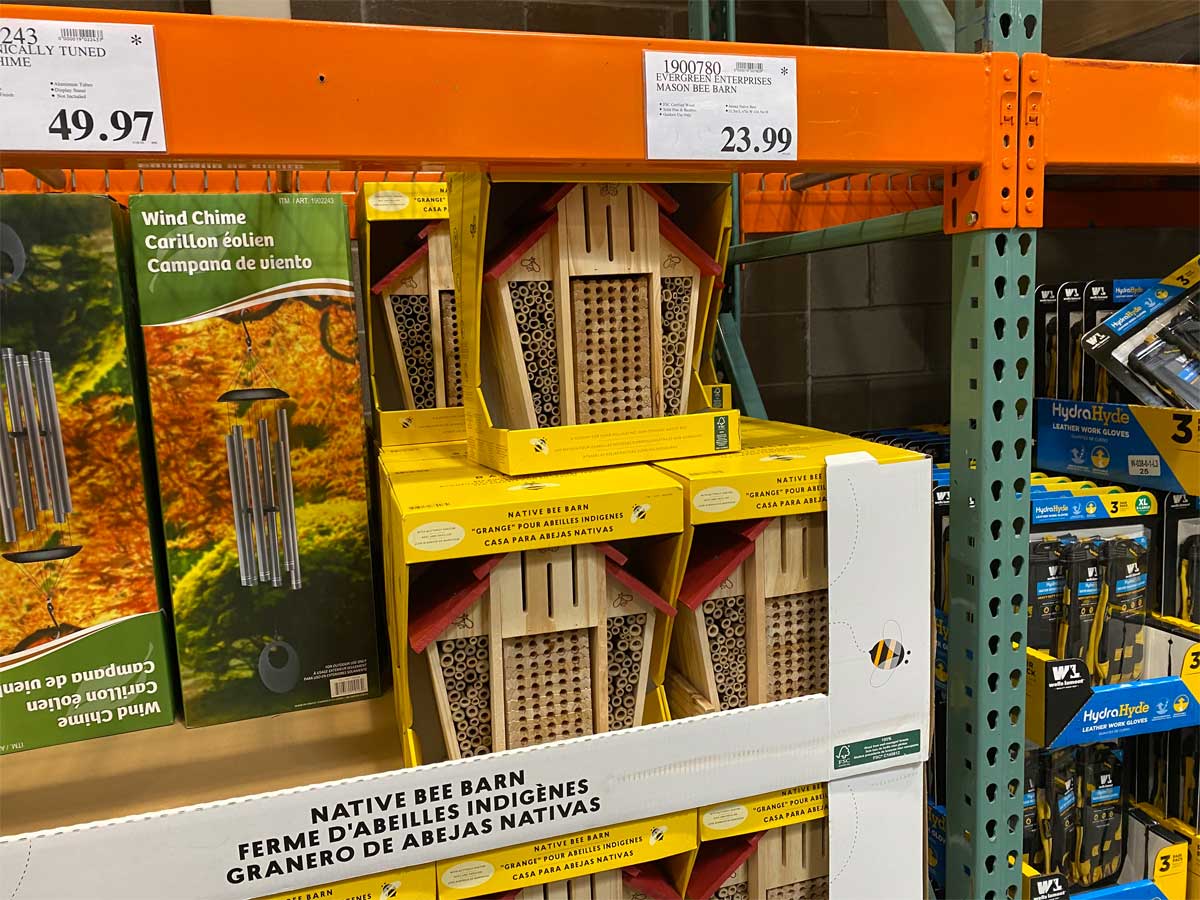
[[83, 649], [411, 312], [788, 546], [247, 308], [584, 308], [486, 573]]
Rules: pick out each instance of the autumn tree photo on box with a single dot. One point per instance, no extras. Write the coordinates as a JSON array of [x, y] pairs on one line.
[[82, 637], [251, 335]]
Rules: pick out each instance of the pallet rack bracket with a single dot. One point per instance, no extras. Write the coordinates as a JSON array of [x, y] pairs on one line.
[[991, 413], [1031, 176]]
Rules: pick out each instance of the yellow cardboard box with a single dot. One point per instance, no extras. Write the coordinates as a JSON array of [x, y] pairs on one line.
[[391, 216], [417, 883], [436, 506], [567, 857], [479, 206]]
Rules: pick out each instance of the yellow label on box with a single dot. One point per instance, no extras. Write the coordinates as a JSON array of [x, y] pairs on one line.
[[772, 810], [418, 883], [407, 427], [780, 470], [568, 856], [450, 509], [385, 200]]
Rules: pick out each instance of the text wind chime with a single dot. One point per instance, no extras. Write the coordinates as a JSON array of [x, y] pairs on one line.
[[258, 453], [33, 478]]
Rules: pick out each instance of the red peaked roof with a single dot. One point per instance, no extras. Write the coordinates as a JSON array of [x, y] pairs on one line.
[[408, 263]]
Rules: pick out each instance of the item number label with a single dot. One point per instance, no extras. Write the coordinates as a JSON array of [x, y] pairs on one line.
[[79, 86], [1145, 466], [713, 106]]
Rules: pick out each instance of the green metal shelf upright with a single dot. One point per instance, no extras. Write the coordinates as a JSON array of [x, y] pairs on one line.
[[991, 411]]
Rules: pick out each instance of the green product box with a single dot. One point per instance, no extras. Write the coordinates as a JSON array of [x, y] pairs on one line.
[[248, 317], [83, 641]]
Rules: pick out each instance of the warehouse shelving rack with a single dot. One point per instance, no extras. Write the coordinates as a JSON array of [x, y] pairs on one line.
[[991, 121]]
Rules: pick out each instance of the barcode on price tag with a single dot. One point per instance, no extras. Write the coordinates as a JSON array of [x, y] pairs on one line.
[[1145, 466], [72, 86], [715, 106]]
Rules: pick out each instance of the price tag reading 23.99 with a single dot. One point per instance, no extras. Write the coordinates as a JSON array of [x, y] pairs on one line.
[[71, 86], [713, 106]]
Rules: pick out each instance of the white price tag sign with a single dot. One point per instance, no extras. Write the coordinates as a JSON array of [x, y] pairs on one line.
[[713, 106], [72, 86], [1146, 466]]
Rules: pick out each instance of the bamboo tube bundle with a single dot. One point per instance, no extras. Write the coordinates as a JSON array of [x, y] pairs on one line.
[[535, 646], [593, 311], [422, 323]]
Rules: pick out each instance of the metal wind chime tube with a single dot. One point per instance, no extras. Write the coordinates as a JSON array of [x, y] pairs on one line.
[[32, 435], [260, 482]]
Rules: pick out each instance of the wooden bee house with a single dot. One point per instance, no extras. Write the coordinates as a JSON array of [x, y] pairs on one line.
[[753, 620], [786, 863], [535, 646], [791, 863], [590, 316], [422, 322]]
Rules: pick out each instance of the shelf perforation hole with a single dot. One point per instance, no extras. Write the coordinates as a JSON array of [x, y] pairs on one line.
[[1022, 327], [1018, 526], [1021, 406], [1016, 638], [994, 568], [1006, 24], [1025, 241], [1023, 285], [1019, 485], [1011, 893], [998, 326], [997, 450], [1000, 283], [1014, 714], [998, 405], [990, 864], [1014, 677], [1014, 752], [995, 529], [1022, 367], [990, 828], [1020, 446], [997, 487], [992, 754], [993, 718], [1028, 193], [990, 790], [1014, 785], [994, 644], [994, 609], [1001, 243], [1030, 22]]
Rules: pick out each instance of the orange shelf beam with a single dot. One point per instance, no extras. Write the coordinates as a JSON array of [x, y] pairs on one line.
[[314, 94], [1110, 116]]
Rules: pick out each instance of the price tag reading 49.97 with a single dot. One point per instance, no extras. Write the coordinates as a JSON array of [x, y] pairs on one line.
[[71, 86], [713, 106]]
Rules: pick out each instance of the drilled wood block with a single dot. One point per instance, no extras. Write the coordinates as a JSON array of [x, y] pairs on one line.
[[533, 307], [548, 694], [465, 666], [452, 364], [611, 323], [812, 889], [797, 645], [676, 309], [410, 317], [625, 649], [725, 626]]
